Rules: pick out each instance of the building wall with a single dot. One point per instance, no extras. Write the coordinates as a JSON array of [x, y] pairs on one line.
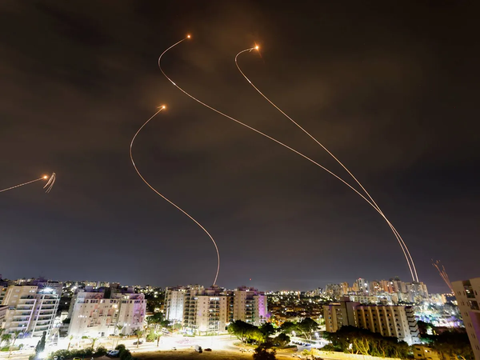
[[3, 313], [30, 309], [95, 316], [391, 321], [468, 298], [249, 305], [174, 302], [211, 314], [132, 312], [261, 309]]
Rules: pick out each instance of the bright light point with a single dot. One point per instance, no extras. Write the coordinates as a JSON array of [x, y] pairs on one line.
[[164, 107], [45, 177], [257, 47], [188, 36]]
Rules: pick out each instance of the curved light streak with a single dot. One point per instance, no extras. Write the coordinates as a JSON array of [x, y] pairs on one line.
[[402, 244], [49, 183], [168, 200], [274, 140]]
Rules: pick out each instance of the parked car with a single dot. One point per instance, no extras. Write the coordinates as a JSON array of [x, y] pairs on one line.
[[207, 349], [198, 349], [138, 342], [113, 353]]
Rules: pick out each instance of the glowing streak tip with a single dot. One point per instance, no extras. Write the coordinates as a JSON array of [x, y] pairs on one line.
[[257, 47], [188, 36], [45, 177]]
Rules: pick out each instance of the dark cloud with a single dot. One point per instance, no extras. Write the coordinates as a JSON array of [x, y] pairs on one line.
[[389, 89]]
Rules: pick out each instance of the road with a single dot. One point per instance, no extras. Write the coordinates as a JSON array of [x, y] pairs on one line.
[[167, 342]]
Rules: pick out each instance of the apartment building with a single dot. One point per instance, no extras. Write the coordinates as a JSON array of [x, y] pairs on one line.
[[249, 305], [93, 315], [468, 298], [132, 312], [96, 313], [205, 310], [31, 309], [208, 314], [387, 320], [210, 310], [174, 303]]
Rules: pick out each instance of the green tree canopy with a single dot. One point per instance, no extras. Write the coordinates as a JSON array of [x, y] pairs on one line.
[[241, 329], [281, 340], [454, 343], [267, 330], [263, 353], [41, 345]]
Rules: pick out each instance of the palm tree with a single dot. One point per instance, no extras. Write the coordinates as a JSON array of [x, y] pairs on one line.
[[6, 338], [15, 336], [159, 335], [119, 328], [138, 333], [70, 338]]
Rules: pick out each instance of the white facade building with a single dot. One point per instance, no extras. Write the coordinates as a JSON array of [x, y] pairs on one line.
[[468, 299], [249, 305], [387, 320], [174, 303], [132, 312], [96, 316], [211, 310], [30, 309]]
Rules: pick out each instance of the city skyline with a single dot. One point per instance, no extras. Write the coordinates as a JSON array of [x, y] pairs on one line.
[[388, 93]]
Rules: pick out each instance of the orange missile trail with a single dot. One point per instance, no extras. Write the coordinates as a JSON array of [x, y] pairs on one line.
[[402, 244], [169, 201], [443, 274], [45, 177], [280, 143]]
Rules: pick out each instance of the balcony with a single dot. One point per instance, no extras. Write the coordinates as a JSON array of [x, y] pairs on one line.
[[23, 320], [22, 314]]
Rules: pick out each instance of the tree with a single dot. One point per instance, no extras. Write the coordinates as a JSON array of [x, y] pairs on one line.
[[6, 338], [307, 326], [255, 335], [423, 327], [453, 343], [40, 346], [16, 333], [287, 327], [267, 329], [360, 341], [138, 333], [240, 329], [281, 340], [69, 341], [262, 353]]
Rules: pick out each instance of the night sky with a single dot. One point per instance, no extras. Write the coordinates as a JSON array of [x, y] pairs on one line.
[[391, 88]]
